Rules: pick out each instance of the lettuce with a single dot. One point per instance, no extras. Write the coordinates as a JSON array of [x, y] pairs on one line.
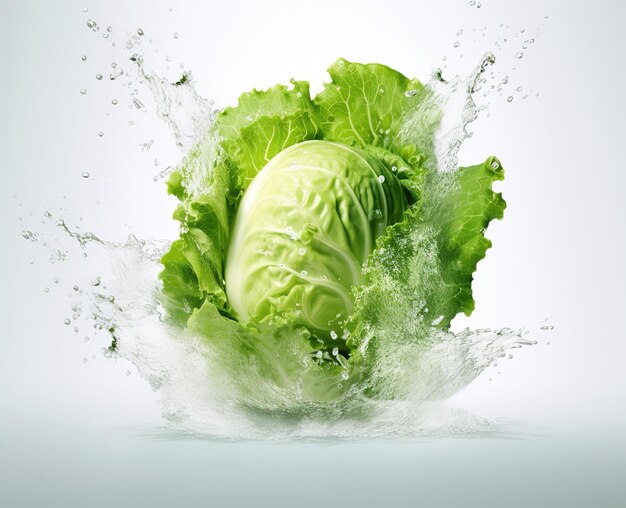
[[314, 231]]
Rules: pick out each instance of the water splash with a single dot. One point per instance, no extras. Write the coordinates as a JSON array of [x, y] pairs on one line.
[[187, 114], [184, 368], [190, 372], [125, 304]]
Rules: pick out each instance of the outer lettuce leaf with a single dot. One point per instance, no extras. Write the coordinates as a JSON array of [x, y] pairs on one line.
[[366, 105], [248, 132], [278, 101], [271, 367], [193, 267], [264, 138], [462, 218], [425, 263]]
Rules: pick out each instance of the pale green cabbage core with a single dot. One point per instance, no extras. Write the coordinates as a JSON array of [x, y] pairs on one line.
[[304, 228]]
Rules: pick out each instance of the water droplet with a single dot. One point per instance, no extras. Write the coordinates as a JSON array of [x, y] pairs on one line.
[[302, 252], [86, 338], [98, 77], [495, 165], [525, 45], [381, 178], [140, 31], [459, 33], [472, 3], [67, 321], [100, 133], [456, 44], [304, 273], [93, 25], [46, 290], [85, 9], [175, 35], [410, 93], [114, 102], [509, 98], [138, 104], [84, 360], [83, 91], [83, 58], [76, 329], [85, 174], [333, 334], [519, 55], [56, 280], [75, 288], [127, 372], [335, 351], [156, 162]]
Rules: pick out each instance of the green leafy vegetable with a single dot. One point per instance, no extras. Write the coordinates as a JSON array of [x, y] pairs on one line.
[[313, 230]]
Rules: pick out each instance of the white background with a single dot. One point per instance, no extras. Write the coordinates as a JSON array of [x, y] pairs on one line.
[[558, 253]]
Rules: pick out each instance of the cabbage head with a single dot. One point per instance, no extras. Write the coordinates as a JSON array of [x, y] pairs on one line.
[[318, 239]]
